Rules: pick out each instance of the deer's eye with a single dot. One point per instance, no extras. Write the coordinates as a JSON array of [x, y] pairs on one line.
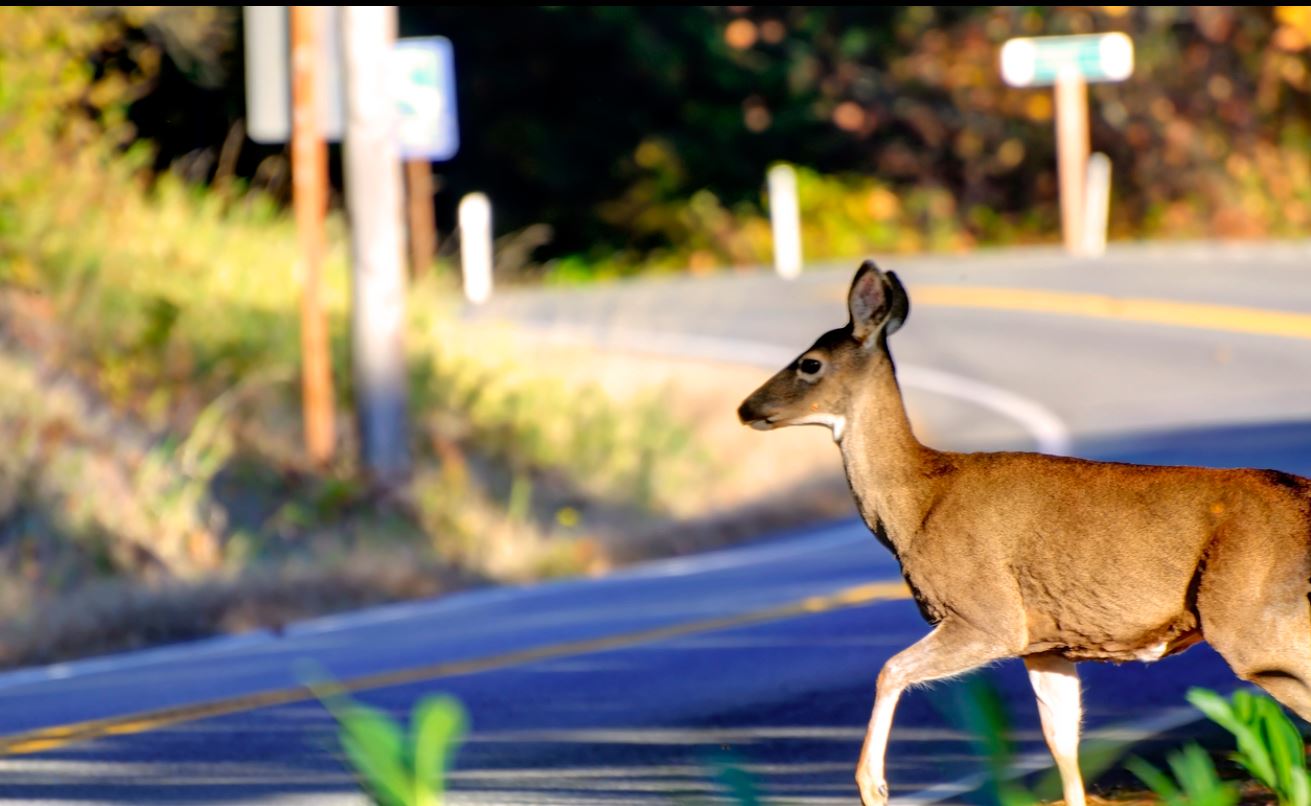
[[810, 366]]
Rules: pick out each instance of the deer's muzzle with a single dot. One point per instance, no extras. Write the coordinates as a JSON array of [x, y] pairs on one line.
[[751, 415]]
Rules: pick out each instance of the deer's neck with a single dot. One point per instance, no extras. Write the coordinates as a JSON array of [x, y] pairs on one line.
[[885, 463]]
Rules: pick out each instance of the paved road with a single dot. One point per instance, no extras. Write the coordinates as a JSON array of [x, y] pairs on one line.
[[617, 690]]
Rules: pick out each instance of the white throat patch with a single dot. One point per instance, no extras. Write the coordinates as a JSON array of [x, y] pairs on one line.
[[834, 421]]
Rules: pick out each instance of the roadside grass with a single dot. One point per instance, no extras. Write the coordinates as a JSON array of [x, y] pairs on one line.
[[152, 399], [155, 488], [175, 466]]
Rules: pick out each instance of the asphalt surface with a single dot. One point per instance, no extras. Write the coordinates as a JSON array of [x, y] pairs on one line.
[[626, 689]]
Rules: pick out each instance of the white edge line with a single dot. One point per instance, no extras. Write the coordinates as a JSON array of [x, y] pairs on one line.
[[1047, 431]]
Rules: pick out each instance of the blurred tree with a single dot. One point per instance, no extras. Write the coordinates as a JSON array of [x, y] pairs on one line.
[[646, 129], [611, 119]]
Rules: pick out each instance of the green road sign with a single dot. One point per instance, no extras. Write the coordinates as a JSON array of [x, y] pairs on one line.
[[1039, 61]]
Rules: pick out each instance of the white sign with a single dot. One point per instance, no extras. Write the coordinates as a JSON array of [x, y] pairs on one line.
[[268, 74], [423, 82], [423, 73], [1039, 61]]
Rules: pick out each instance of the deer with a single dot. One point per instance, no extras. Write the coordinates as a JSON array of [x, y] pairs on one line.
[[1055, 560]]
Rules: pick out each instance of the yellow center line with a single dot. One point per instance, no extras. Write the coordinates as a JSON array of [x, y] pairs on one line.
[[1202, 315], [62, 735]]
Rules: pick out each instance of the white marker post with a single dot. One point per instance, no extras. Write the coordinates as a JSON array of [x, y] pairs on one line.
[[475, 213], [1069, 63], [1097, 205], [785, 220]]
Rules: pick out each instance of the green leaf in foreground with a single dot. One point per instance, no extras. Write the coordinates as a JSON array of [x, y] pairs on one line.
[[395, 768], [1270, 748], [438, 724], [984, 718], [736, 781], [1198, 783]]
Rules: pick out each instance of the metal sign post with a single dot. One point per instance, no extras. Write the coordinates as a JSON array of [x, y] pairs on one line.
[[401, 102], [1069, 63], [373, 190]]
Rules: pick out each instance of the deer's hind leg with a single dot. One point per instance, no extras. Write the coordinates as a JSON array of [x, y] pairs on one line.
[[1254, 600], [1056, 685]]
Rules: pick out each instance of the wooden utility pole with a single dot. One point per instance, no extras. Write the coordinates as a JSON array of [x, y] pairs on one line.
[[373, 190], [309, 170], [1072, 154], [423, 230]]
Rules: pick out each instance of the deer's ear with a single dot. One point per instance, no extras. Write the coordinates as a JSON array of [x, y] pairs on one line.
[[877, 302], [899, 304]]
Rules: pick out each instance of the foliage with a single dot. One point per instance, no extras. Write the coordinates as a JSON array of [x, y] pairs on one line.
[[399, 768], [985, 719], [663, 162], [1198, 782], [638, 454], [1270, 747], [739, 786], [841, 215], [657, 161]]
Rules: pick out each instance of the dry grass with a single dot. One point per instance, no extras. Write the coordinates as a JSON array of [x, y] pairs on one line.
[[757, 482], [113, 537]]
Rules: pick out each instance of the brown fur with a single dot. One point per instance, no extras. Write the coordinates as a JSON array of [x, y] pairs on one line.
[[1024, 554]]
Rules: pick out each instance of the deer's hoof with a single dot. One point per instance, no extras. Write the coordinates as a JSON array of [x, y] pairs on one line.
[[872, 792]]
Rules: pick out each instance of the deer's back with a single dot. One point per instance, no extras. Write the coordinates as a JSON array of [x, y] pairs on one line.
[[1093, 559]]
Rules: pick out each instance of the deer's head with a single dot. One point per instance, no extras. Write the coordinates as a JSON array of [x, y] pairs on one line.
[[818, 387]]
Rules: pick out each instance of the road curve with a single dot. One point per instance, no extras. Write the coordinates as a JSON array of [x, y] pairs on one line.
[[622, 689]]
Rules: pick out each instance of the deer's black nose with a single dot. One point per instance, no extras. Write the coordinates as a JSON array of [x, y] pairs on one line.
[[751, 412]]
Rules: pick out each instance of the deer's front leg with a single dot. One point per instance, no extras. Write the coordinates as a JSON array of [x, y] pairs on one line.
[[952, 648]]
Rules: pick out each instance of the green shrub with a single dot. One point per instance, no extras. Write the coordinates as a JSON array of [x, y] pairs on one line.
[[1198, 783], [1270, 747]]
